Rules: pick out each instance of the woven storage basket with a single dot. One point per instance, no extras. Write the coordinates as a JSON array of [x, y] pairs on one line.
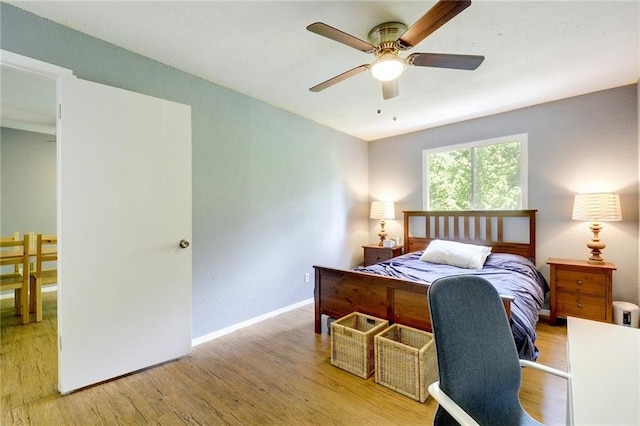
[[406, 361], [352, 342]]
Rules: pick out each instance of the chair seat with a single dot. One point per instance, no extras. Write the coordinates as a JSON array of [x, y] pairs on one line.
[[49, 276], [11, 281]]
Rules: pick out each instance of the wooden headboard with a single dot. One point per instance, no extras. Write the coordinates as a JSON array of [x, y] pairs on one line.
[[506, 231]]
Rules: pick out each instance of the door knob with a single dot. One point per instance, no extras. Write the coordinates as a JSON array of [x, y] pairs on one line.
[[184, 243]]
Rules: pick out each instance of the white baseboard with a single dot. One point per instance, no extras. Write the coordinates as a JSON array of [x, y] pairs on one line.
[[544, 314], [247, 323]]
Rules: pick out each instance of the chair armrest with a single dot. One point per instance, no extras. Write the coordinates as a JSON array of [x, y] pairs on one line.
[[451, 407], [546, 369]]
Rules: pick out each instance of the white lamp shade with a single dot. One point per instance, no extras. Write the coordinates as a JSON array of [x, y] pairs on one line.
[[382, 210], [597, 207], [387, 67]]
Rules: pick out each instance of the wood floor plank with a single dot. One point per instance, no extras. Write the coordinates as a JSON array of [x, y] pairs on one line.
[[277, 372]]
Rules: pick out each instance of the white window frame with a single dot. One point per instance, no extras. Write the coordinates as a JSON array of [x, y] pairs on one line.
[[523, 138]]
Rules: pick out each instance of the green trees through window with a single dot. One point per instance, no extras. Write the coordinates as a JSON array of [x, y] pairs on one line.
[[486, 175]]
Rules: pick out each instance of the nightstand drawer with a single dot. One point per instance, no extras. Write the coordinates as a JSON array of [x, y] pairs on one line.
[[580, 282], [580, 305], [373, 253], [372, 256]]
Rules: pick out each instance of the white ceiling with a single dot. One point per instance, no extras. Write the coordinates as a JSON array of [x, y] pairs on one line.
[[535, 52]]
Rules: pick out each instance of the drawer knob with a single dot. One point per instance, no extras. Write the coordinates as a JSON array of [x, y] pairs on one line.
[[579, 282], [579, 305]]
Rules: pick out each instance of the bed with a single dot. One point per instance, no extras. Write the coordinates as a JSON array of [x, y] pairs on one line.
[[396, 289]]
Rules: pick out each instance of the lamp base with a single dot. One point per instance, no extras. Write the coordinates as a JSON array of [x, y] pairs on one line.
[[596, 245], [382, 234]]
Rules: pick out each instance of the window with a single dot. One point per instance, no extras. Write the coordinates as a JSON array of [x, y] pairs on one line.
[[482, 175]]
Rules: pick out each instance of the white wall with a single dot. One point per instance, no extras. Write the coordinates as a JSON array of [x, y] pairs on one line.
[[28, 176], [583, 144]]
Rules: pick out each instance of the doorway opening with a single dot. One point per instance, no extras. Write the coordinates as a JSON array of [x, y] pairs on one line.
[[28, 172]]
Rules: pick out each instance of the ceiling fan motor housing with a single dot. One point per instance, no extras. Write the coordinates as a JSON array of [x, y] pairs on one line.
[[384, 36]]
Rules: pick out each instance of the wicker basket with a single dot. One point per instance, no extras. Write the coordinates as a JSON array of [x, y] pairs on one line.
[[352, 342], [406, 361]]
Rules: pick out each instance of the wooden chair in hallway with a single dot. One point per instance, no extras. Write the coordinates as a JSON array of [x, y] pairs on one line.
[[15, 252], [46, 252]]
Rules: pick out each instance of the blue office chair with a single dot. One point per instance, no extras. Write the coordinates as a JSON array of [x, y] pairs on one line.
[[478, 364]]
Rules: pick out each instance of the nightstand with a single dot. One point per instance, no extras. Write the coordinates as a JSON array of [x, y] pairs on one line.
[[581, 289], [373, 253]]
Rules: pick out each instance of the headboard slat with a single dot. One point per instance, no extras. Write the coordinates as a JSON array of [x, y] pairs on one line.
[[447, 229], [465, 224], [427, 229], [456, 226]]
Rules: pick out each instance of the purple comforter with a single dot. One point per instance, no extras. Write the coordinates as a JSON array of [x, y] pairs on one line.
[[510, 274]]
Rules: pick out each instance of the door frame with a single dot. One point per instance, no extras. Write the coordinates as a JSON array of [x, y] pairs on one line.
[[55, 73], [31, 65]]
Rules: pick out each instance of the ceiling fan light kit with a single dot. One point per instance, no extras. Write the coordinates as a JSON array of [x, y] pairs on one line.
[[387, 67], [387, 40]]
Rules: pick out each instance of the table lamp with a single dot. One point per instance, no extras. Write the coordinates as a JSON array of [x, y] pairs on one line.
[[596, 208], [382, 210]]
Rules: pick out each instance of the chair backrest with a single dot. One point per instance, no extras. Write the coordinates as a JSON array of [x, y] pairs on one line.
[[46, 251], [477, 357], [15, 252], [16, 237], [32, 247]]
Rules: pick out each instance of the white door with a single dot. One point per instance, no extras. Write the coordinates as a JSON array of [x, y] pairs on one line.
[[124, 205]]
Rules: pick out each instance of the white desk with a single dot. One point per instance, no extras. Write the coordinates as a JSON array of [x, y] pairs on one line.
[[604, 362]]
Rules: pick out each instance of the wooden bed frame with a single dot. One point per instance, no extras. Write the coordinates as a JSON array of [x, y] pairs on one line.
[[340, 292]]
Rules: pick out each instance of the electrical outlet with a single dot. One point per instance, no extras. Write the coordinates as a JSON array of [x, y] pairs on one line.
[[306, 277]]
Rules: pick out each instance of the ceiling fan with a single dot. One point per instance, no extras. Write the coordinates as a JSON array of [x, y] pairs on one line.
[[387, 40]]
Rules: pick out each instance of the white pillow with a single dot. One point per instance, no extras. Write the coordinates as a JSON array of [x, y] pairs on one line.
[[452, 253]]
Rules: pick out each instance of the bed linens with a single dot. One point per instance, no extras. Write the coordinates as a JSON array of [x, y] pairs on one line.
[[510, 274]]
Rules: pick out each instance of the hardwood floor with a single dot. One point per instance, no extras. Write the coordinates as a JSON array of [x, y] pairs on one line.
[[277, 372]]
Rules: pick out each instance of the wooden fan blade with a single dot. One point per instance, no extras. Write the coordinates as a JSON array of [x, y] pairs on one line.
[[443, 60], [341, 37], [339, 78], [390, 89], [441, 13]]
